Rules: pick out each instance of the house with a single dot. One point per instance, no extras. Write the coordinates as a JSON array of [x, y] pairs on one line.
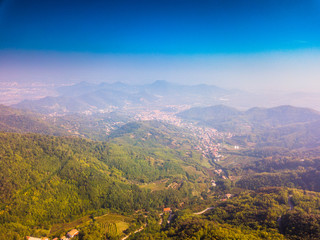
[[167, 210], [228, 195], [72, 233], [33, 238], [64, 238], [55, 239], [44, 238], [213, 183]]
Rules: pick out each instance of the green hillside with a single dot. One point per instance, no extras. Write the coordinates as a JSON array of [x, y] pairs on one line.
[[267, 213], [283, 126], [229, 119], [47, 180], [14, 120], [108, 190]]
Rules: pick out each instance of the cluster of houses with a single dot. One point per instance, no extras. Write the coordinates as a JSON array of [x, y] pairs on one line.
[[69, 235], [220, 173]]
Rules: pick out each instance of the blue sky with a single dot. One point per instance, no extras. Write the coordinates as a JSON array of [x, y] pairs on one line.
[[160, 26], [222, 42]]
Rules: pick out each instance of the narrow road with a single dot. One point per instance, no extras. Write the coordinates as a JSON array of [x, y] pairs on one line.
[[290, 202], [170, 218], [161, 220], [207, 209], [139, 230]]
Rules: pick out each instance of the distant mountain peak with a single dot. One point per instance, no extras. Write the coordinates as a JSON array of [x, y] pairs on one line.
[[83, 84], [161, 83]]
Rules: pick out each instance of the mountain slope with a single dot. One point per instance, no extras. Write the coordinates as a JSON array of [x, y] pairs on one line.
[[166, 140], [285, 126], [214, 113], [14, 120], [46, 180], [281, 116]]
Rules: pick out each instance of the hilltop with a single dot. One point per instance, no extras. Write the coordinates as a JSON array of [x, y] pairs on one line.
[[15, 120], [286, 126]]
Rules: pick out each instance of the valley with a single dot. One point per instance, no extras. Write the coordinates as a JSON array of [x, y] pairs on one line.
[[224, 173]]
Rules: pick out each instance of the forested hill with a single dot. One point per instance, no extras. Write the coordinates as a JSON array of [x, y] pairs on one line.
[[283, 126], [50, 183], [14, 120], [46, 180], [217, 112], [221, 116], [153, 134]]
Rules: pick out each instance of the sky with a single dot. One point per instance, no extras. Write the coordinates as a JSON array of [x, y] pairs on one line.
[[247, 44]]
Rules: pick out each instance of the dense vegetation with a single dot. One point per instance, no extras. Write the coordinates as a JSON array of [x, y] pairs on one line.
[[254, 118], [261, 214], [46, 180], [113, 187], [284, 126], [13, 120]]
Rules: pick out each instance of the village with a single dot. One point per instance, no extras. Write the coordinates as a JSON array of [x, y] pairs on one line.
[[209, 140]]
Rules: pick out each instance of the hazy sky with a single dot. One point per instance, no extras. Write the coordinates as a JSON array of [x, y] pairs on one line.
[[248, 44]]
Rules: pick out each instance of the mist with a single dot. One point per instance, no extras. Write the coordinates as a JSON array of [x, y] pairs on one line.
[[278, 71]]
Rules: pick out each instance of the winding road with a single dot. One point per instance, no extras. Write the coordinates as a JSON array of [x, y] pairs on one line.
[[161, 220], [139, 230], [207, 209]]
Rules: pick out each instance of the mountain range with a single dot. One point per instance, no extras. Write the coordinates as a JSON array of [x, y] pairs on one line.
[[87, 97], [269, 117]]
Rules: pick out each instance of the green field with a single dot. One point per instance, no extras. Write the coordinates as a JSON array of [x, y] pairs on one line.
[[64, 227], [156, 186], [122, 223]]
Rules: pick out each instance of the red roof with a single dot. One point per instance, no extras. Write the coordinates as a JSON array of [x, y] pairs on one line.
[[167, 209]]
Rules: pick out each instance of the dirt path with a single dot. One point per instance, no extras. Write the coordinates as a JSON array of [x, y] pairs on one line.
[[290, 202], [207, 209], [161, 220], [136, 231], [170, 218]]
